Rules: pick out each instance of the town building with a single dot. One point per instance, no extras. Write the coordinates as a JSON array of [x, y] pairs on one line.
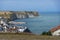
[[55, 31], [11, 27]]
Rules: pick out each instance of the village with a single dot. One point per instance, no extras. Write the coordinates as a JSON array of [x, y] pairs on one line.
[[10, 27]]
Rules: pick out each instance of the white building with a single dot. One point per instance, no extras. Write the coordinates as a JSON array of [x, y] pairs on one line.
[[3, 24], [55, 31], [12, 28], [22, 29], [3, 21]]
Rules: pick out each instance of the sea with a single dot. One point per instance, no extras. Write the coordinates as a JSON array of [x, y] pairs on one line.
[[42, 23]]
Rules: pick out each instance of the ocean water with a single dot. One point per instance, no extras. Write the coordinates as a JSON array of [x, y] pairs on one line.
[[43, 22]]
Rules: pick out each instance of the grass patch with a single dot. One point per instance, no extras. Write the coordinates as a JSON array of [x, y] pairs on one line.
[[26, 36]]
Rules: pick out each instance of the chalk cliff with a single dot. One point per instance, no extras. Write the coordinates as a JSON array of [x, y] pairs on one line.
[[12, 15]]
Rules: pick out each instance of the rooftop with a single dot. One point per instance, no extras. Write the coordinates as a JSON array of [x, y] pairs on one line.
[[54, 29]]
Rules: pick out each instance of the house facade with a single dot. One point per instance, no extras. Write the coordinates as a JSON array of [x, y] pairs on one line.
[[55, 31]]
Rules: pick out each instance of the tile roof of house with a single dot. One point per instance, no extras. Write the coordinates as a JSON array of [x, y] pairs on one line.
[[54, 29]]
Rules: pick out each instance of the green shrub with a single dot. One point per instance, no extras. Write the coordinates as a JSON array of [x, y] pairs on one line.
[[46, 33]]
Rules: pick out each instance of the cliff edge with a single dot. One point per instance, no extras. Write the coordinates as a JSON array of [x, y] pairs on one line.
[[12, 15]]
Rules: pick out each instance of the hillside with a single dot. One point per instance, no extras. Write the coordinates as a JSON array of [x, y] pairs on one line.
[[27, 36]]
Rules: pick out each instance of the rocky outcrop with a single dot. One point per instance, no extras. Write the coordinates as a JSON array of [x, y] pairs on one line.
[[25, 14], [12, 15]]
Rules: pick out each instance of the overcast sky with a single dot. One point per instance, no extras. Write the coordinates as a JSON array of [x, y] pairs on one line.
[[30, 5]]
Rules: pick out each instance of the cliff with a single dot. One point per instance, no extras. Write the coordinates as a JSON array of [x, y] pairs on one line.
[[12, 15]]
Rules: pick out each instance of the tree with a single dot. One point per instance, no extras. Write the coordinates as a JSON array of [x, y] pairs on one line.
[[46, 33], [49, 33]]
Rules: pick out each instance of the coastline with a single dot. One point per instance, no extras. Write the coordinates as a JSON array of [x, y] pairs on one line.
[[12, 15]]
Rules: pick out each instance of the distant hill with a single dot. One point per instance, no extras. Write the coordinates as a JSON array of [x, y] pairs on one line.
[[11, 15]]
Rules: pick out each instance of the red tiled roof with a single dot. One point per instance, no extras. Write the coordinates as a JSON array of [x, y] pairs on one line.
[[54, 29]]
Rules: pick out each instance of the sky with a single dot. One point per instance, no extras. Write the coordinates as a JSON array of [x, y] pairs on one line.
[[30, 5]]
